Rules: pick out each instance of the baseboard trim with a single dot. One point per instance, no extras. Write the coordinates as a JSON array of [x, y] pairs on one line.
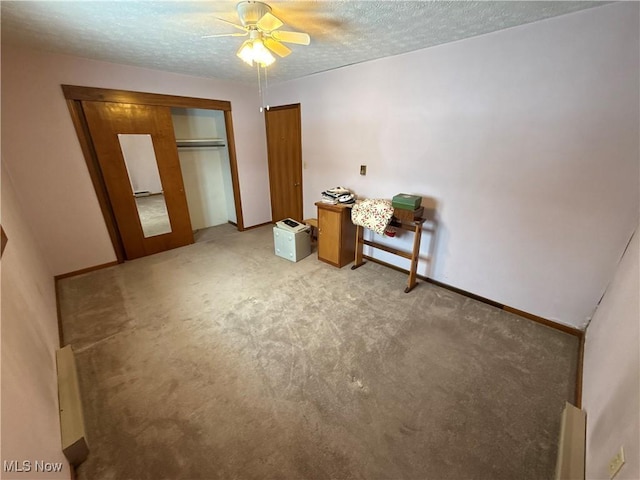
[[57, 291], [543, 321], [579, 334], [257, 226], [549, 323], [580, 372], [86, 270], [463, 292]]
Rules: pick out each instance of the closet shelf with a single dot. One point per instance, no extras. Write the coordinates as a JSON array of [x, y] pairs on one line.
[[201, 143]]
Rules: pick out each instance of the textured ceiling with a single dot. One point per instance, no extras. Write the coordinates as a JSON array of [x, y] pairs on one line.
[[168, 35]]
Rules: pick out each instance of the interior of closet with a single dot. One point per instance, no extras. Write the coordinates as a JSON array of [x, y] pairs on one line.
[[206, 169]]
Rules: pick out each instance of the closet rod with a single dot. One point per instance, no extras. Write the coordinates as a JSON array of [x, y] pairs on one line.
[[201, 143]]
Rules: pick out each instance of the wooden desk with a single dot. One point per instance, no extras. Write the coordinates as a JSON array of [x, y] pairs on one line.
[[415, 226]]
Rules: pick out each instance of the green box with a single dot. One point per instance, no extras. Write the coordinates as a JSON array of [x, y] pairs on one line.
[[404, 201]]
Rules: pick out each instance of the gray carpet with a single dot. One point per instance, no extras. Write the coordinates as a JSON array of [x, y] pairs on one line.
[[221, 360], [153, 214]]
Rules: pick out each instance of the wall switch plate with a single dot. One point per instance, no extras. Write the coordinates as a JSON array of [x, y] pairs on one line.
[[363, 169], [616, 463]]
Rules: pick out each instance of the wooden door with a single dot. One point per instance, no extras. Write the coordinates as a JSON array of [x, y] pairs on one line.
[[329, 235], [284, 150], [107, 120], [336, 234]]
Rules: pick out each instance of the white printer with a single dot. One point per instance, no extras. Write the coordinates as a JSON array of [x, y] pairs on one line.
[[292, 240]]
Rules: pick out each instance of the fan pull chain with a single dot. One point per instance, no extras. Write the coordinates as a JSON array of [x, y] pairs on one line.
[[266, 88], [259, 87], [262, 93]]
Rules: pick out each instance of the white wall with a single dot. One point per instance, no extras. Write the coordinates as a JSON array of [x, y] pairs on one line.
[[30, 420], [140, 161], [202, 176], [41, 149], [611, 387], [206, 172], [527, 138]]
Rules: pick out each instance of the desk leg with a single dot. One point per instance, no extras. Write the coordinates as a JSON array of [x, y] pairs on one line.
[[359, 247], [415, 255]]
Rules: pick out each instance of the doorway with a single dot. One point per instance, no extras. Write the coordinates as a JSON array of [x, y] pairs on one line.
[[147, 212], [284, 152]]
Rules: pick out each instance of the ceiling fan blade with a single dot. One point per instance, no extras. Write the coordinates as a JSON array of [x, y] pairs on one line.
[[292, 37], [226, 35], [239, 27], [269, 22], [276, 47]]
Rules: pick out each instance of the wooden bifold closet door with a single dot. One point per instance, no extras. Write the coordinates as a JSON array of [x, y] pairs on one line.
[[106, 121]]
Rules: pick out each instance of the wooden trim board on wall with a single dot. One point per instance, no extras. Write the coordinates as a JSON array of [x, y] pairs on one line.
[[233, 163], [95, 173], [61, 342], [549, 323], [92, 94], [579, 334], [85, 270], [75, 95]]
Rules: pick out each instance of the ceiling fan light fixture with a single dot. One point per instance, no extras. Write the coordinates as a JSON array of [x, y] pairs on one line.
[[265, 38], [261, 55], [254, 51], [245, 53]]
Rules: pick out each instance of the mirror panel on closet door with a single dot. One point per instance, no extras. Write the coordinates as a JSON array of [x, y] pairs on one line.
[[142, 167]]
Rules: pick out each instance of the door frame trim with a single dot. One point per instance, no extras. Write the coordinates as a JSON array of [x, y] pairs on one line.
[[74, 95]]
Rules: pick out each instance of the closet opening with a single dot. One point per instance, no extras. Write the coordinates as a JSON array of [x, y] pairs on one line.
[[204, 162], [193, 183]]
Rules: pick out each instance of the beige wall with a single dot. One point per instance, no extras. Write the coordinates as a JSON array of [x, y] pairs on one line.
[[42, 152], [526, 137], [29, 325], [611, 392]]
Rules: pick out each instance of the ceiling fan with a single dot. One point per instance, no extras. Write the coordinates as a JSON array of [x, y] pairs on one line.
[[261, 26]]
